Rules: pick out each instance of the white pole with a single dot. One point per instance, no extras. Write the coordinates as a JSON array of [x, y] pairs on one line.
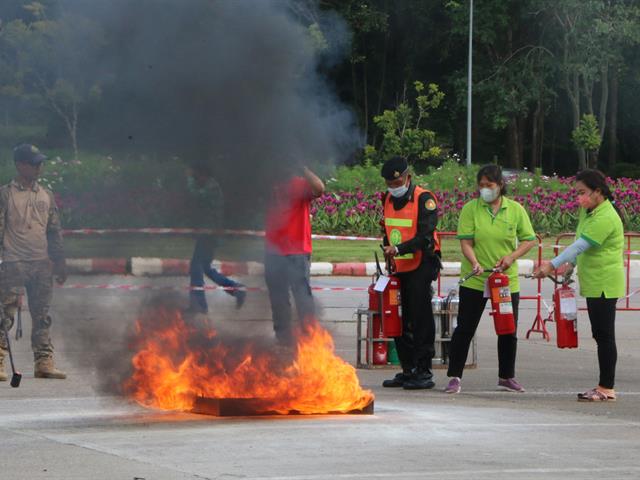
[[469, 88]]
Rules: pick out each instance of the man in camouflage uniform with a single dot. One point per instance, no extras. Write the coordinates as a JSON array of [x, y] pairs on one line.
[[31, 253]]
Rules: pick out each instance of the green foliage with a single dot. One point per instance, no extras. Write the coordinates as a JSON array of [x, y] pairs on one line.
[[16, 134], [318, 39], [47, 61], [529, 55], [360, 177], [449, 176], [402, 132], [587, 135], [626, 170], [65, 175]]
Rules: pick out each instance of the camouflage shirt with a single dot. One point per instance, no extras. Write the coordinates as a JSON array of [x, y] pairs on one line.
[[30, 226]]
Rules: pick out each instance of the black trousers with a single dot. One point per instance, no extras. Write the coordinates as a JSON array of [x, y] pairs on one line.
[[284, 274], [472, 303], [416, 345], [602, 315]]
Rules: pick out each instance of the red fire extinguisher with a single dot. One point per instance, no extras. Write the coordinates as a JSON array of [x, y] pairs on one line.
[[565, 312], [384, 303], [501, 306], [379, 348], [391, 305], [391, 317]]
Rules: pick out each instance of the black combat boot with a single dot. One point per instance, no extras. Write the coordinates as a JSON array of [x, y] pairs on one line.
[[397, 381], [420, 380]]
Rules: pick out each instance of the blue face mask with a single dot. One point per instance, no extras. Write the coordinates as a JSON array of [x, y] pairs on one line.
[[398, 192]]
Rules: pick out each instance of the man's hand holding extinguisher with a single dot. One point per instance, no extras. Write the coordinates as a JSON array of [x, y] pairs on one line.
[[390, 251]]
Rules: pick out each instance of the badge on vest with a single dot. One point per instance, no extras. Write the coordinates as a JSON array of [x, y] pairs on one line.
[[395, 237], [430, 204]]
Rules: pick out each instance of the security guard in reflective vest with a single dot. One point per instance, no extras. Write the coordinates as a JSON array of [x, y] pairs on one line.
[[411, 243]]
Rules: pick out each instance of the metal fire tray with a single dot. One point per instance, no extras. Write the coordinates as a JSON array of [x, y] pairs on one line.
[[241, 407]]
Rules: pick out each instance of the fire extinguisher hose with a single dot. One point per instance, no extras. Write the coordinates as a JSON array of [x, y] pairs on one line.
[[473, 274]]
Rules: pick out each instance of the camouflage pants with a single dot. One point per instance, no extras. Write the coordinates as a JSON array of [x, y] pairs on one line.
[[37, 279]]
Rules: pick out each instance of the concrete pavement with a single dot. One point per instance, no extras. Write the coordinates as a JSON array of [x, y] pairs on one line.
[[68, 430]]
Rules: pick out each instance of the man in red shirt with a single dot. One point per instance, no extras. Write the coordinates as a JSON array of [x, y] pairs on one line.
[[288, 251]]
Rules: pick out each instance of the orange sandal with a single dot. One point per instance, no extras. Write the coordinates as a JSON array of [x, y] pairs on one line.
[[595, 395]]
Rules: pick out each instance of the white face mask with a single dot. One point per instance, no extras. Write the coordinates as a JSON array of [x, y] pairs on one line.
[[398, 192], [489, 195]]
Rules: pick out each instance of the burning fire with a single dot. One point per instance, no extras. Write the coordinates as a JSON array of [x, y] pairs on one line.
[[176, 361]]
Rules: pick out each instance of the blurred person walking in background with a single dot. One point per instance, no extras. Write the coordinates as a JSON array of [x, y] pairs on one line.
[[207, 209]]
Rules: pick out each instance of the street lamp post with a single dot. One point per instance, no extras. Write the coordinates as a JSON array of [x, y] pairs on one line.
[[469, 88]]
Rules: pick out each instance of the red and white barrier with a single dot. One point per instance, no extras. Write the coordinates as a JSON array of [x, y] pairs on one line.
[[201, 231], [134, 288], [151, 267], [112, 266]]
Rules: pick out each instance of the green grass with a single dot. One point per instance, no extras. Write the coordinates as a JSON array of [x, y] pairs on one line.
[[251, 249]]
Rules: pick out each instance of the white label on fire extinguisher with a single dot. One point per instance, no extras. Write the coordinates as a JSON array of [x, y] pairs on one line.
[[381, 284], [569, 307], [505, 307]]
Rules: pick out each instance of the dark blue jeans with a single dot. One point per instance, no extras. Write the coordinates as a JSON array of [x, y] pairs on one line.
[[199, 267]]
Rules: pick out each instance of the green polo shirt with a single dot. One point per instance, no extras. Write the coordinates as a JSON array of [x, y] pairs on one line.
[[601, 267], [494, 236]]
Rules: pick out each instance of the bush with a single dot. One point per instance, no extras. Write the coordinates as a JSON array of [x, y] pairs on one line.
[[138, 191], [11, 135], [103, 191], [365, 178], [550, 201], [626, 170]]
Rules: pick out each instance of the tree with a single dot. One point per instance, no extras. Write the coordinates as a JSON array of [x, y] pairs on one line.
[[403, 131], [51, 58], [587, 136], [592, 37], [512, 69]]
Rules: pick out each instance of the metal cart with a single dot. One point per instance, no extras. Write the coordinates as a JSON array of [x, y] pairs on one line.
[[445, 313]]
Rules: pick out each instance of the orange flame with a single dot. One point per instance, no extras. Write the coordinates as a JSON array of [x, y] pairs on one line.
[[175, 362]]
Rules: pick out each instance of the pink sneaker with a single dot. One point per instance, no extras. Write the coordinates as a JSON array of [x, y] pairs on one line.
[[454, 386], [510, 385]]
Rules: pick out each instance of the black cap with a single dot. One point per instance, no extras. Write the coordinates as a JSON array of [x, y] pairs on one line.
[[394, 168], [26, 153]]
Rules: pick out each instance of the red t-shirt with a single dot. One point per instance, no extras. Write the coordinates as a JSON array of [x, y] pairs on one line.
[[288, 225]]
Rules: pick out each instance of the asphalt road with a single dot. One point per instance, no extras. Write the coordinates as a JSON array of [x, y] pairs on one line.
[[70, 430]]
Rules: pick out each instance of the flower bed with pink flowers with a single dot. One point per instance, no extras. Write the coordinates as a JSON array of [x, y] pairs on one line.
[[552, 208]]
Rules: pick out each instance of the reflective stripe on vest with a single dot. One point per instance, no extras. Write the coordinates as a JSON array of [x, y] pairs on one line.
[[402, 225]]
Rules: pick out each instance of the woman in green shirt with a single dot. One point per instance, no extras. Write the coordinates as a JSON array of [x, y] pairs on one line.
[[494, 231], [598, 249]]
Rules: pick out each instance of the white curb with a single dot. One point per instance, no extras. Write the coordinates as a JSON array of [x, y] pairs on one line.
[[371, 268], [255, 268], [321, 268], [80, 265], [141, 266]]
